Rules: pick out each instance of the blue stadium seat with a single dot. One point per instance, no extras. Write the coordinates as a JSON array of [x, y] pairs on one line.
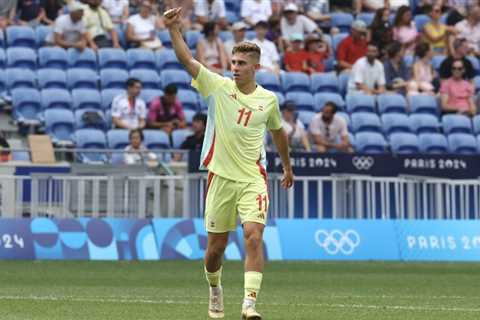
[[189, 114], [3, 81], [60, 124], [3, 58], [295, 81], [86, 99], [329, 63], [323, 97], [347, 119], [341, 20], [53, 58], [280, 96], [303, 100], [26, 105], [189, 99], [91, 139], [85, 59], [366, 17], [21, 36], [250, 34], [424, 123], [79, 78], [156, 139], [421, 20], [456, 123], [41, 34], [370, 142], [80, 122], [112, 58], [122, 37], [107, 96], [404, 143], [21, 58], [232, 16], [392, 103], [476, 124], [52, 78], [268, 80], [113, 78], [475, 64], [343, 79], [164, 37], [395, 122], [437, 62], [148, 95], [336, 39], [166, 59], [141, 59], [117, 139], [192, 37], [179, 136], [366, 121], [433, 143], [225, 35], [2, 39], [423, 104], [20, 78], [476, 83], [56, 99], [148, 78], [306, 117], [408, 60], [21, 156], [462, 143], [359, 102], [180, 78], [324, 82]]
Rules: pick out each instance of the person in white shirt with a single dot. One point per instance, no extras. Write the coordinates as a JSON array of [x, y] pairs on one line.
[[469, 29], [128, 110], [368, 74], [70, 30], [329, 131], [297, 137], [294, 23], [238, 29], [117, 9], [210, 10], [269, 60], [254, 11], [141, 28], [136, 152]]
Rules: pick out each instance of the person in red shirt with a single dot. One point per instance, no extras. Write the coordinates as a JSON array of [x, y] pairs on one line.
[[317, 51], [166, 112], [352, 47], [296, 55]]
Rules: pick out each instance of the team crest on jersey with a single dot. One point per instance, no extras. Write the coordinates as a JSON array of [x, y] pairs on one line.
[[233, 96], [260, 108]]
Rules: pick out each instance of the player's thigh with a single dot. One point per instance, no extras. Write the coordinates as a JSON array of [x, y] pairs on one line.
[[253, 203], [220, 213]]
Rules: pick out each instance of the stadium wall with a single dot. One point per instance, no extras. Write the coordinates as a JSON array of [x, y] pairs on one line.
[[285, 239]]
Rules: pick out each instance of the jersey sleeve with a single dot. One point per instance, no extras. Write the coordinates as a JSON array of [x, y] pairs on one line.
[[274, 121], [207, 82]]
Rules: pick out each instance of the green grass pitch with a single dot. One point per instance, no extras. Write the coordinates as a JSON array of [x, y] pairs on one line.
[[292, 290]]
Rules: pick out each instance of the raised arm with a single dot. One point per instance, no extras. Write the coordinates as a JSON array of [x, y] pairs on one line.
[[172, 22]]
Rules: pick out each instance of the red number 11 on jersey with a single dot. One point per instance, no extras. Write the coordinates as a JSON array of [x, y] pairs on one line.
[[248, 115]]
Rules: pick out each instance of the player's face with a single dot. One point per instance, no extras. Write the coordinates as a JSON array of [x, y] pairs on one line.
[[244, 67]]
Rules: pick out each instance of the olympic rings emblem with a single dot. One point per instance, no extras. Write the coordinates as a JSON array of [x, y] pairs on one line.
[[363, 163], [337, 241]]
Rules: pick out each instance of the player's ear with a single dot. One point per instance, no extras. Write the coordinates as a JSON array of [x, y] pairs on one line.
[[257, 66]]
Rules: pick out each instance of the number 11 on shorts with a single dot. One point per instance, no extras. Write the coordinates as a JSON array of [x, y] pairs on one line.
[[262, 202]]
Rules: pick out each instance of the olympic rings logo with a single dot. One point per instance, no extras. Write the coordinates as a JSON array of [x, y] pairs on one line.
[[363, 163], [337, 241]]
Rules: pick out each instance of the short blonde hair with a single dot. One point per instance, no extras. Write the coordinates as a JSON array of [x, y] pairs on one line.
[[248, 48]]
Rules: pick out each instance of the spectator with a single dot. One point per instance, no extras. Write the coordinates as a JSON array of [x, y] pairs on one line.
[[329, 131], [380, 32], [458, 9], [274, 33], [210, 11], [292, 22], [195, 141], [351, 6], [141, 28], [53, 9], [269, 59], [404, 29], [136, 152], [317, 52], [7, 13], [239, 29], [166, 113], [69, 30], [30, 12], [436, 33], [118, 10], [295, 58], [396, 4], [368, 75], [317, 10], [254, 11], [128, 110], [5, 155], [294, 128], [210, 50], [186, 14], [460, 51], [469, 29], [99, 25], [396, 72], [423, 73], [457, 93], [374, 5], [352, 47]]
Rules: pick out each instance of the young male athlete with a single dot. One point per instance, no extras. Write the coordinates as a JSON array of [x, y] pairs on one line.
[[239, 112]]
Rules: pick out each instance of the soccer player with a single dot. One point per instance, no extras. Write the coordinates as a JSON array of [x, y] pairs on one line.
[[239, 112]]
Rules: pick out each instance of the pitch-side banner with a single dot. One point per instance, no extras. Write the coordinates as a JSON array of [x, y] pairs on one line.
[[163, 239]]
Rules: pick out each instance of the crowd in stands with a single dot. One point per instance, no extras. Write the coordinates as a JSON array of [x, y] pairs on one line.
[[404, 48]]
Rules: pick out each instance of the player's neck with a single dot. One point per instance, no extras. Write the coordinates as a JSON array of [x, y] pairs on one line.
[[247, 88]]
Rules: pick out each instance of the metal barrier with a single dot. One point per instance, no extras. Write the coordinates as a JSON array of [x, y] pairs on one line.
[[342, 196]]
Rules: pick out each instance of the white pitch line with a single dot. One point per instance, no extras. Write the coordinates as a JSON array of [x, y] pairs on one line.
[[179, 302]]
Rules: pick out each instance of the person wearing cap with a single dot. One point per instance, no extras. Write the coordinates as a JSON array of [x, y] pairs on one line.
[[460, 52], [293, 22], [100, 28], [210, 10], [294, 59], [269, 60], [8, 10], [297, 136], [254, 11], [317, 51], [368, 74], [352, 47], [70, 30], [238, 29]]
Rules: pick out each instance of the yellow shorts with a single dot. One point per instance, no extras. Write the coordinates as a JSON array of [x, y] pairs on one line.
[[226, 198]]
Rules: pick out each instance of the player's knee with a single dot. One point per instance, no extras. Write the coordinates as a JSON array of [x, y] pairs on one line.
[[253, 239], [215, 251]]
